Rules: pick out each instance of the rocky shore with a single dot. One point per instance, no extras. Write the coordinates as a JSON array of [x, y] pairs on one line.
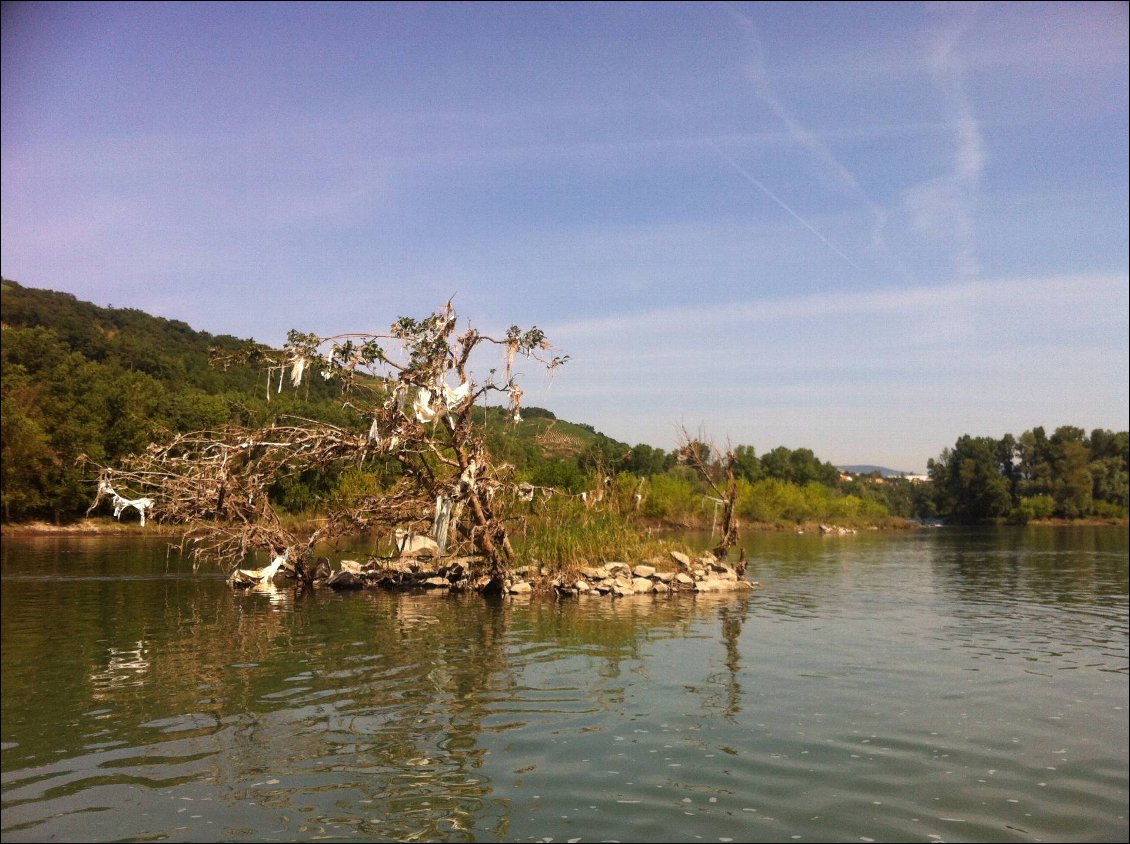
[[679, 573]]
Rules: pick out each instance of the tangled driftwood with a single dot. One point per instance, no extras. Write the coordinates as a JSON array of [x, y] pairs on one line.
[[399, 385]]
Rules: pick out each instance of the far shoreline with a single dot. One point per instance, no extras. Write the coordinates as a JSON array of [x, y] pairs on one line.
[[86, 527], [100, 526]]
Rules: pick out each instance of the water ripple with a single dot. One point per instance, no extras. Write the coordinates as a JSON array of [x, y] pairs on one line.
[[895, 688]]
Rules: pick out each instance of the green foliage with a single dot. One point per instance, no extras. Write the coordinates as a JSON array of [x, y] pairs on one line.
[[537, 413], [971, 480], [355, 485], [671, 497], [1034, 507], [1067, 475], [563, 534], [563, 474], [799, 466], [27, 458], [899, 496], [645, 460], [746, 464], [779, 503], [603, 454]]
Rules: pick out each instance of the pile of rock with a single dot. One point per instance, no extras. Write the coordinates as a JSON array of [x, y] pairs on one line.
[[453, 573], [703, 574]]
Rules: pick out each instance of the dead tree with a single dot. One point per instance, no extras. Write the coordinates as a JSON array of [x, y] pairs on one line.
[[716, 470], [415, 390]]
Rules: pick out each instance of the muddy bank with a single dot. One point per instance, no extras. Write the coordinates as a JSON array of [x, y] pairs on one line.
[[87, 527]]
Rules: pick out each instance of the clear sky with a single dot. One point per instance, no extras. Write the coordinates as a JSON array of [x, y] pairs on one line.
[[861, 229]]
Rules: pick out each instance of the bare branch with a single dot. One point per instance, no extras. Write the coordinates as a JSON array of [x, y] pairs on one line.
[[413, 386], [717, 471]]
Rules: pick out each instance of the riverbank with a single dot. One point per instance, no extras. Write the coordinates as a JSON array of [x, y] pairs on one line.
[[87, 527], [105, 526]]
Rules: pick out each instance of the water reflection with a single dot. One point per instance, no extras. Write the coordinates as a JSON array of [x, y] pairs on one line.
[[297, 705], [732, 616], [1041, 565], [125, 667]]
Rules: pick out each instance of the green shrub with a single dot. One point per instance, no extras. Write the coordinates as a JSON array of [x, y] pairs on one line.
[[670, 497], [1036, 507]]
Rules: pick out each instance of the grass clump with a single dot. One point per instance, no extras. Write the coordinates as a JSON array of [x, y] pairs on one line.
[[562, 534]]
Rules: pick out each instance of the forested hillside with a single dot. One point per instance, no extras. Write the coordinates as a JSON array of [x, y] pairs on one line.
[[86, 381], [80, 380]]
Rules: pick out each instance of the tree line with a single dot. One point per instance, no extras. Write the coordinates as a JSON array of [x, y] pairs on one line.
[[1068, 475]]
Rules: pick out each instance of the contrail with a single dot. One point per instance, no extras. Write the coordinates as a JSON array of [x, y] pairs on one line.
[[760, 79], [741, 171], [757, 183]]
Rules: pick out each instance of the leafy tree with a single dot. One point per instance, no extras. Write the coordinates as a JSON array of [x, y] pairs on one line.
[[799, 467], [645, 460], [563, 474], [603, 455], [27, 457], [1074, 485], [746, 464], [1110, 470], [1035, 464], [1068, 474], [969, 480]]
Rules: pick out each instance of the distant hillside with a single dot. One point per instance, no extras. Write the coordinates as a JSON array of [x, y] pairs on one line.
[[868, 469], [121, 338]]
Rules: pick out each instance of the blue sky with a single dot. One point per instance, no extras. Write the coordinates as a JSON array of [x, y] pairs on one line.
[[861, 229]]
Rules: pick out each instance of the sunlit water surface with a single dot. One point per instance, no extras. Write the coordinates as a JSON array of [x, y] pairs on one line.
[[941, 685]]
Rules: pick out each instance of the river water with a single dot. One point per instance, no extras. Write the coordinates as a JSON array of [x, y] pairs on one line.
[[940, 685]]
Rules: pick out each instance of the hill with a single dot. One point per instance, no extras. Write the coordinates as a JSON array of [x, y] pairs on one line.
[[868, 469], [87, 382]]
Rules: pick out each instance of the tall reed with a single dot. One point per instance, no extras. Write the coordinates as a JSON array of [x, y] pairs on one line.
[[562, 533]]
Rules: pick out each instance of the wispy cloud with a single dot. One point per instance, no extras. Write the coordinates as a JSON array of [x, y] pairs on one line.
[[795, 131], [946, 207], [937, 305], [800, 134]]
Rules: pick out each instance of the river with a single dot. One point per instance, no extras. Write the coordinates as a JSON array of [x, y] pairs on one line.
[[938, 685]]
